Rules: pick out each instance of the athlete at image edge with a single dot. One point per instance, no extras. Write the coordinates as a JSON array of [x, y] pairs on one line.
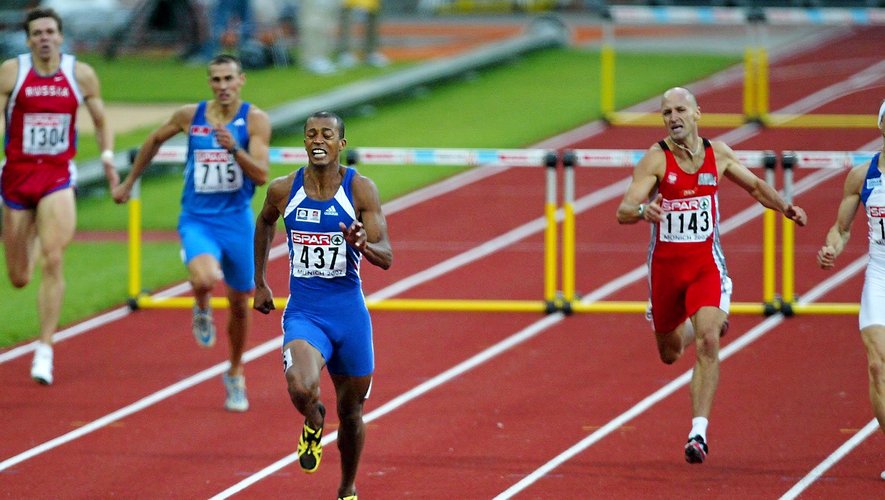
[[678, 321], [42, 220], [863, 184], [216, 219], [330, 305]]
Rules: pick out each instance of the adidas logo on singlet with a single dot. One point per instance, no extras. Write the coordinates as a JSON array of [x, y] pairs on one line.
[[331, 211]]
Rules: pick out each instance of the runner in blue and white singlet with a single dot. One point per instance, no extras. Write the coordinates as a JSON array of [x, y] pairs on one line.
[[213, 181], [216, 208], [322, 267], [333, 221], [872, 194], [227, 157], [866, 184]]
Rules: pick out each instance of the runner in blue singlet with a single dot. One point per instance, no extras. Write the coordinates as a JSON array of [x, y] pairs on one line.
[[333, 219], [227, 157]]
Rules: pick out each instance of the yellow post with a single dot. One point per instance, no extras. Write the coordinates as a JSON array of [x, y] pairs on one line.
[[607, 87], [750, 85], [607, 72], [789, 241], [769, 230], [788, 260], [550, 253], [768, 253], [568, 229], [762, 84], [550, 233], [568, 252], [135, 241]]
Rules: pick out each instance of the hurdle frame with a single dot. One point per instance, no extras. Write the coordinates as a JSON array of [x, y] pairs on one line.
[[756, 86], [555, 299], [530, 158], [792, 160]]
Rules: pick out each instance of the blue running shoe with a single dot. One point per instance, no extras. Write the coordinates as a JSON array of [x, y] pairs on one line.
[[204, 329], [236, 393]]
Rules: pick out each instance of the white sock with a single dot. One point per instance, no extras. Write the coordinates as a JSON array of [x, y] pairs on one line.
[[698, 427], [43, 349]]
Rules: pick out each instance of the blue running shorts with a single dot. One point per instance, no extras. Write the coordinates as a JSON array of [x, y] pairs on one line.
[[343, 336], [227, 237]]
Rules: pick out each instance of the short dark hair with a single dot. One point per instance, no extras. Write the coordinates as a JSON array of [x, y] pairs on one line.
[[39, 13], [226, 59], [328, 114]]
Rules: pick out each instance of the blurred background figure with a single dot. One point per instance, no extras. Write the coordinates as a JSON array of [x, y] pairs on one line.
[[369, 11], [221, 13], [317, 32]]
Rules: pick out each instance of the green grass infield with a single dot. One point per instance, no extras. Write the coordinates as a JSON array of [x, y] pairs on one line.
[[509, 106]]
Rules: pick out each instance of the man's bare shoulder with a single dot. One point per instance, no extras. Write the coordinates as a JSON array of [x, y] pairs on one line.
[[10, 64], [361, 182], [8, 74], [855, 179], [653, 160], [83, 69], [255, 110], [720, 148], [86, 77], [280, 186], [258, 115], [185, 113]]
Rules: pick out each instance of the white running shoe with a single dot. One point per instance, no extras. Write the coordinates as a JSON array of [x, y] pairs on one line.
[[320, 66], [377, 60], [347, 60], [236, 393], [41, 367], [204, 329]]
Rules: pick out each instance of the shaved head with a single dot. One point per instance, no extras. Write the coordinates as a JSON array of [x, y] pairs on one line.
[[679, 93]]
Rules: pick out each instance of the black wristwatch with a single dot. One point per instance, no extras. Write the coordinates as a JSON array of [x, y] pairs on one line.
[[233, 151]]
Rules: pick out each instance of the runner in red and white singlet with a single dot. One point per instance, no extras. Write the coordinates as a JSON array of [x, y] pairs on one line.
[[686, 264], [40, 133], [675, 188], [40, 93]]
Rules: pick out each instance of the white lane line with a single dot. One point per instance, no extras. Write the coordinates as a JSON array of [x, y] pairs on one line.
[[871, 428], [406, 201], [806, 184], [270, 345], [841, 452], [677, 383], [413, 393], [586, 202], [252, 354], [581, 205]]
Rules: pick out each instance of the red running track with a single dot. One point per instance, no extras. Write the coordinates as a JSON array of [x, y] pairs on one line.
[[502, 395]]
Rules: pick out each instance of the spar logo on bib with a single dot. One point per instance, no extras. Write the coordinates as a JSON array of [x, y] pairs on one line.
[[314, 239], [877, 211], [701, 203]]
